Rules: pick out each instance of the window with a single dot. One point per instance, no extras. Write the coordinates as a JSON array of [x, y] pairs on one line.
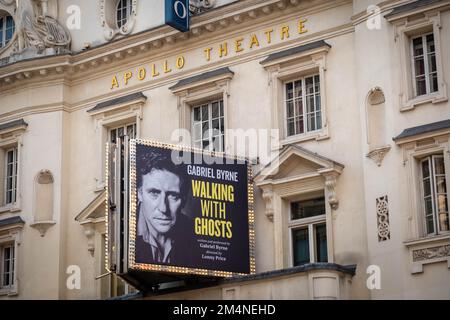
[[123, 12], [7, 256], [434, 194], [11, 176], [424, 64], [303, 106], [308, 231], [298, 92], [129, 130], [419, 57], [6, 30], [208, 126]]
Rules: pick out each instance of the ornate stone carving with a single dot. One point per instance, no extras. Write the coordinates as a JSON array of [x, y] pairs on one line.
[[110, 28], [268, 198], [42, 226], [378, 154], [37, 32], [431, 253], [384, 230], [199, 6], [330, 185]]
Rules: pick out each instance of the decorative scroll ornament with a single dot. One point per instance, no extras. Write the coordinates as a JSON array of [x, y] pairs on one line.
[[384, 230], [378, 154], [110, 28], [199, 6], [268, 198], [38, 31]]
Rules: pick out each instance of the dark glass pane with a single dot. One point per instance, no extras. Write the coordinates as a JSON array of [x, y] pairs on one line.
[[430, 224], [290, 127], [215, 110], [430, 43], [318, 106], [222, 127], [439, 167], [419, 66], [221, 108], [299, 125], [317, 83], [311, 122], [426, 187], [10, 156], [1, 37], [319, 120], [300, 245], [433, 82], [309, 85], [113, 136], [9, 34], [308, 208], [120, 132], [205, 144], [9, 22], [298, 88], [321, 243], [289, 91], [216, 125], [418, 47], [290, 109], [131, 131], [197, 115], [428, 206], [7, 256], [205, 115], [425, 169], [421, 86]]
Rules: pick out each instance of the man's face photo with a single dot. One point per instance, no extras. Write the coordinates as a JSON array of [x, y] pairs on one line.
[[160, 199]]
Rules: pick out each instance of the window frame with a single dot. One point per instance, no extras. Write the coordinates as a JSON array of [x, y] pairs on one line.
[[108, 118], [128, 8], [12, 263], [280, 71], [426, 57], [433, 195], [305, 114], [15, 164], [4, 30], [311, 224], [211, 138], [405, 29]]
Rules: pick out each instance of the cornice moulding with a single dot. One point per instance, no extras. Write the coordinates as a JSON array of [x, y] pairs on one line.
[[78, 64]]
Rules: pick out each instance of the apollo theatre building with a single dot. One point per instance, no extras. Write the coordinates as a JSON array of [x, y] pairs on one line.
[[301, 149]]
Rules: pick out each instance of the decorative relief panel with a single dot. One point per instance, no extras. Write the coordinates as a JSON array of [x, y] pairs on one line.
[[431, 253], [384, 230]]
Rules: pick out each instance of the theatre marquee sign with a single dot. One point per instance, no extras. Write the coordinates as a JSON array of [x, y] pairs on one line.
[[213, 53]]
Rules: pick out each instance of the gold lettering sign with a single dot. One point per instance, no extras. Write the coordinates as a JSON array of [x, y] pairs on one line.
[[213, 52]]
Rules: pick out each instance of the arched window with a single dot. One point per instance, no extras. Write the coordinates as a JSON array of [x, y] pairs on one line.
[[6, 29], [123, 12]]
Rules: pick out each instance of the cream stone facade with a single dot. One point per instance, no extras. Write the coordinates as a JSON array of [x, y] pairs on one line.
[[380, 124]]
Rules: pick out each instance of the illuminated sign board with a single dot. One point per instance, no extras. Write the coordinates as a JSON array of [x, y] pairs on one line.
[[186, 212], [177, 14]]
